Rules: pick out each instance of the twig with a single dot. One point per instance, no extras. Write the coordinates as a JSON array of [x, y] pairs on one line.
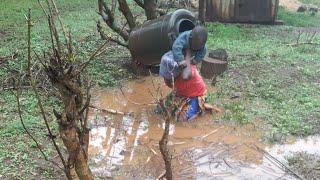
[[61, 23], [149, 157], [139, 3], [109, 19], [276, 160], [118, 42], [93, 55], [161, 175], [17, 95], [225, 161], [111, 111], [85, 123], [38, 96], [154, 152], [44, 11], [105, 37], [212, 132], [304, 43]]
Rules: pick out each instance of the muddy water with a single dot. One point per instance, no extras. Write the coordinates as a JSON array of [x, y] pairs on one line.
[[125, 145]]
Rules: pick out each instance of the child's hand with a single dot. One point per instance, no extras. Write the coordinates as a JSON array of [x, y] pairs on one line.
[[188, 54], [182, 64]]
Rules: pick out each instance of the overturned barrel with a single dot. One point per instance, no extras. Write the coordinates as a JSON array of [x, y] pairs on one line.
[[148, 42]]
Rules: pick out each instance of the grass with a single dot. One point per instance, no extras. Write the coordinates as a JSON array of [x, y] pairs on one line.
[[279, 84], [305, 164], [19, 158], [313, 2], [306, 19]]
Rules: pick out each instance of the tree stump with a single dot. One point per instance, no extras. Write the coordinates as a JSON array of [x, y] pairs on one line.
[[215, 64]]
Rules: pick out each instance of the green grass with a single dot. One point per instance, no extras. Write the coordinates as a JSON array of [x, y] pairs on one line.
[[19, 159], [313, 2], [306, 19], [279, 83]]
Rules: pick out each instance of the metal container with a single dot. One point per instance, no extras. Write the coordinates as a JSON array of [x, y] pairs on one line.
[[148, 42], [243, 11]]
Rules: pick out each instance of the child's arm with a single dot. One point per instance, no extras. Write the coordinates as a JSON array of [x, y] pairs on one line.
[[179, 44], [186, 72], [200, 54]]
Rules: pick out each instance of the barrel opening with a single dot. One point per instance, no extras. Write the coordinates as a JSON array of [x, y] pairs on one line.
[[185, 25]]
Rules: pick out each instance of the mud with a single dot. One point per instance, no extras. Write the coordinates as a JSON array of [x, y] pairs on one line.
[[126, 146]]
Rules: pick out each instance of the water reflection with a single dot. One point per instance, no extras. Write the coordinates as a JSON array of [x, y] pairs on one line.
[[203, 150]]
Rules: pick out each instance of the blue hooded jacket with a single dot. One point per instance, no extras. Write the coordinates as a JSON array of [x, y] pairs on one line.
[[181, 44]]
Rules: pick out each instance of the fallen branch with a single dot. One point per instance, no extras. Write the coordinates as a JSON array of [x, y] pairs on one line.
[[212, 132], [161, 176], [111, 111], [304, 43], [153, 151], [268, 155]]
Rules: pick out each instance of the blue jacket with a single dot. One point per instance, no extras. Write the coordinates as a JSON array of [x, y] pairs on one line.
[[182, 43]]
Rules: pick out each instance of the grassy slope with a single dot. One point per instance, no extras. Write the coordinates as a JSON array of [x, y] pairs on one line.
[[289, 102]]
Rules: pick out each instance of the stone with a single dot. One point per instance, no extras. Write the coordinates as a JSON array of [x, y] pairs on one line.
[[302, 8]]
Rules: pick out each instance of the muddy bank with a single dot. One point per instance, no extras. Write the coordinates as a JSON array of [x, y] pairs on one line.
[[126, 146]]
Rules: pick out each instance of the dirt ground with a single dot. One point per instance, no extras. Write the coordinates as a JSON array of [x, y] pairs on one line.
[[291, 5]]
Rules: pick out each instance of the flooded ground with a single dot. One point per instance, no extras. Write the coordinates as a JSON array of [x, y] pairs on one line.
[[125, 135]]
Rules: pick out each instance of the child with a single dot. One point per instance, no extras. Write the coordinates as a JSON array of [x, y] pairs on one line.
[[188, 101], [194, 40]]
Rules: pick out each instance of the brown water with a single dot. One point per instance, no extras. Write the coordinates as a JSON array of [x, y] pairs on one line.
[[126, 146]]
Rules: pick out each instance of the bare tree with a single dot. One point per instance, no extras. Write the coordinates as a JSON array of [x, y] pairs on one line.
[[72, 84], [108, 14]]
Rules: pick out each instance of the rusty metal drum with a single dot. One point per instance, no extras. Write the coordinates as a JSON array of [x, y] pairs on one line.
[[148, 42]]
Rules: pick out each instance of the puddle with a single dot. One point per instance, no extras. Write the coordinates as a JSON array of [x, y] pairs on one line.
[[309, 145], [126, 146]]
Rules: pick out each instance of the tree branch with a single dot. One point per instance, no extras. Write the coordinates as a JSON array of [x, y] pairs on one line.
[[108, 18], [39, 100], [125, 10], [139, 3], [17, 95], [150, 7], [105, 37]]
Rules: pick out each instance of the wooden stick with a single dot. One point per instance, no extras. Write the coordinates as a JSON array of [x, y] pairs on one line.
[[212, 132], [161, 175], [304, 43], [111, 111]]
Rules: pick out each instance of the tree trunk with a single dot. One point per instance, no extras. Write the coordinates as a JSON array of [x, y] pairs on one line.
[[163, 144], [77, 154], [150, 7], [125, 10], [202, 10]]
